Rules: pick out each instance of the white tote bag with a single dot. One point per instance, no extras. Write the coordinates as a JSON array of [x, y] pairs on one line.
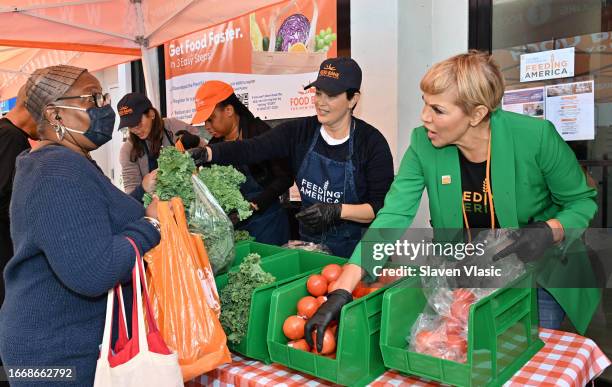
[[143, 360]]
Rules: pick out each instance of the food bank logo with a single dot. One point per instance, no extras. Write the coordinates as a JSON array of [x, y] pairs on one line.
[[547, 65], [125, 110], [200, 104], [321, 194], [330, 72]]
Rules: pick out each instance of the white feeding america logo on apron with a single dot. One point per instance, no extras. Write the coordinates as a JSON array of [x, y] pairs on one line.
[[318, 193]]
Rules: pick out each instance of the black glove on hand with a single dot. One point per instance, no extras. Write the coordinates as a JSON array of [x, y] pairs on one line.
[[199, 155], [318, 216], [233, 216], [530, 242], [329, 311], [188, 140]]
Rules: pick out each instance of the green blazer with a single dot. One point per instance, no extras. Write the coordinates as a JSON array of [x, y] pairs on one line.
[[534, 173]]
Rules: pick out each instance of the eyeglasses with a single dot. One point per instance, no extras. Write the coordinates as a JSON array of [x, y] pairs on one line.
[[98, 99]]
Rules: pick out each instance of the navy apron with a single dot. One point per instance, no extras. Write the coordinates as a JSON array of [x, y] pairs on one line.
[[270, 226], [323, 180]]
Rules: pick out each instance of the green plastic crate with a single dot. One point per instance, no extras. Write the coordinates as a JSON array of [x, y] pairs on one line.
[[502, 335], [286, 266], [244, 248], [358, 358]]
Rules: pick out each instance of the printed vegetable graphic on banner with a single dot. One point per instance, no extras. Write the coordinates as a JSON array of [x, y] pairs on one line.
[[267, 56]]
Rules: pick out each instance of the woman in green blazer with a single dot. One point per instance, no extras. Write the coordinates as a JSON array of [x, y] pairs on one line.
[[465, 143]]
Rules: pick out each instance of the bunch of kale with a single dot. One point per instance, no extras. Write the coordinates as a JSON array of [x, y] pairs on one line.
[[224, 184], [236, 296], [173, 176]]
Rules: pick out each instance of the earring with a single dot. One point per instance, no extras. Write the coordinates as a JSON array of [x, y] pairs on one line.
[[60, 131]]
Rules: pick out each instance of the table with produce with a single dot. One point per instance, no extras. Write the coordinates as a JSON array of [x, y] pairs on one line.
[[214, 291]]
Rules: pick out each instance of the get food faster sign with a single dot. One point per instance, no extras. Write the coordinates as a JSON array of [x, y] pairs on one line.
[[547, 65]]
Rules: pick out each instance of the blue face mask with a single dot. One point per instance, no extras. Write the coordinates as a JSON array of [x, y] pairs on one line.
[[101, 124]]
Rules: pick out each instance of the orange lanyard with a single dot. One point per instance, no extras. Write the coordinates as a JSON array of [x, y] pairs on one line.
[[489, 196]]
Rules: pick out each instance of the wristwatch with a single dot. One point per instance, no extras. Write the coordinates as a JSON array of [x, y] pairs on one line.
[[153, 222]]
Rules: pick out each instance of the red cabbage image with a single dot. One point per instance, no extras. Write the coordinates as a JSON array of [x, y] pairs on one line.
[[294, 30]]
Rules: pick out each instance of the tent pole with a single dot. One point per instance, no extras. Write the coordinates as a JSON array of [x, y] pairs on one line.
[[149, 66]]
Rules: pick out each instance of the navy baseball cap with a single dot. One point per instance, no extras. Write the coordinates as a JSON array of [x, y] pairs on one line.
[[337, 75], [131, 108]]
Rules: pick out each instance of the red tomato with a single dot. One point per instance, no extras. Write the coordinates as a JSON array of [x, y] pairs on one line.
[[422, 340], [301, 344], [321, 300], [464, 295], [334, 327], [331, 287], [460, 309], [317, 285], [331, 356], [307, 306], [433, 351], [360, 290], [453, 326], [331, 272], [293, 327], [456, 343], [329, 342], [457, 348]]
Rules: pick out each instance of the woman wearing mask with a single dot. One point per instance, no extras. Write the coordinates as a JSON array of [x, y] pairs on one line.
[[149, 132], [227, 119], [468, 146], [69, 225], [342, 165]]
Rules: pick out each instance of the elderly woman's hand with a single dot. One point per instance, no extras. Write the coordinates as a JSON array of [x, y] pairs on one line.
[[151, 210]]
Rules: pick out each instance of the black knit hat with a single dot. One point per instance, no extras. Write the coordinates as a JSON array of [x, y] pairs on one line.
[[48, 84]]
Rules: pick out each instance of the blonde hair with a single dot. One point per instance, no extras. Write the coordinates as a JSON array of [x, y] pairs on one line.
[[475, 76]]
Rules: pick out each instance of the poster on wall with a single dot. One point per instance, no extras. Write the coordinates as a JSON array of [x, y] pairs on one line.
[[525, 101], [268, 57], [571, 108]]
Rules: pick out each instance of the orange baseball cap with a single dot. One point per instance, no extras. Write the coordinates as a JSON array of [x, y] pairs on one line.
[[209, 94]]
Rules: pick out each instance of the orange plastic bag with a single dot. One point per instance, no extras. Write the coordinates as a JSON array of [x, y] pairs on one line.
[[179, 145], [184, 296]]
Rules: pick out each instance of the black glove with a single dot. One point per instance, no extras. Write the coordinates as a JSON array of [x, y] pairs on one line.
[[318, 216], [329, 311], [233, 216], [188, 140], [199, 155], [530, 242]]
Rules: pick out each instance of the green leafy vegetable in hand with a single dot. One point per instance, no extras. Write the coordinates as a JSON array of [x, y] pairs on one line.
[[236, 296], [224, 184], [173, 176]]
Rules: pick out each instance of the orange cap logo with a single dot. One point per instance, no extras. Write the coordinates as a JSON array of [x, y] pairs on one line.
[[125, 110], [329, 71], [200, 103]]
